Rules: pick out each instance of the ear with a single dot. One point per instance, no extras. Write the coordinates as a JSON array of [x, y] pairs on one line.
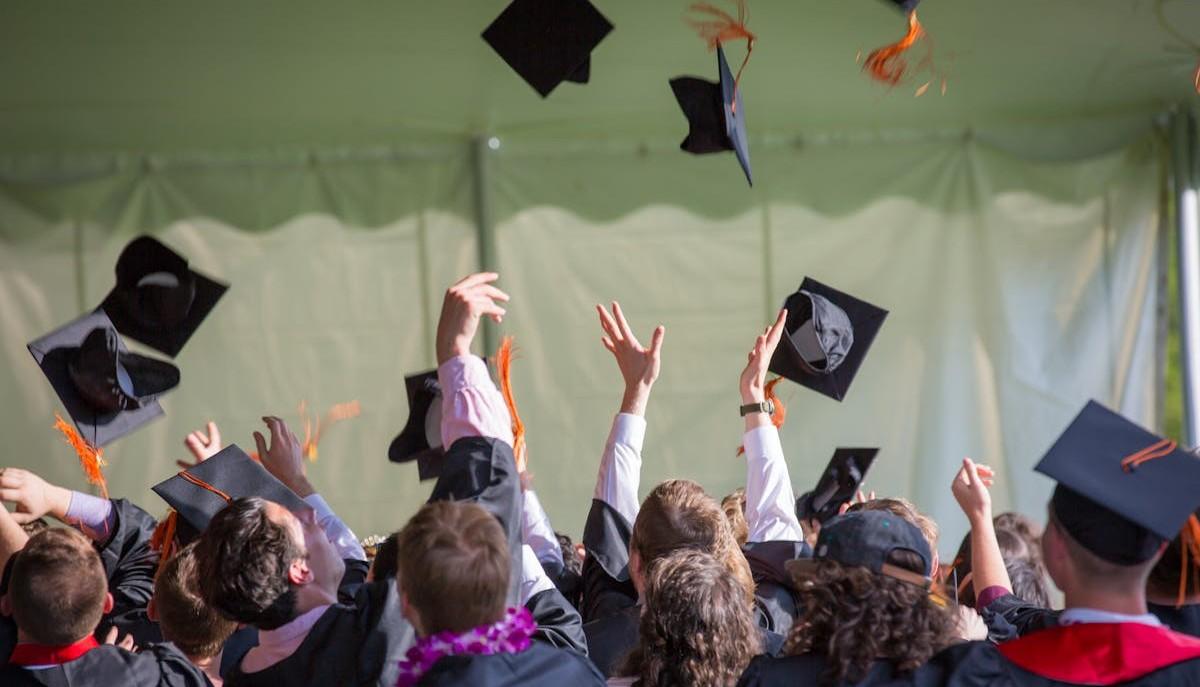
[[635, 571], [152, 610], [299, 574], [410, 614], [108, 603], [5, 605]]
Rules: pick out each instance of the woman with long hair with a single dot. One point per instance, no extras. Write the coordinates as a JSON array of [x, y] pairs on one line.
[[697, 626]]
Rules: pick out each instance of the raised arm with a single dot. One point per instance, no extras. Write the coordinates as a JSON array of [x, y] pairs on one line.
[[12, 537], [770, 502], [970, 488]]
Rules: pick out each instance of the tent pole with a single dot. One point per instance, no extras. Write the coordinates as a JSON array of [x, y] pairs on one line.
[[485, 237], [1187, 217]]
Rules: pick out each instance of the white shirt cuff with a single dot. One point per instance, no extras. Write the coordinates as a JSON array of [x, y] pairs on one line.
[[534, 580]]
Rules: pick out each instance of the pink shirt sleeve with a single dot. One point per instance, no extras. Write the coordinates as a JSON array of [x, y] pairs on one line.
[[471, 404], [987, 596]]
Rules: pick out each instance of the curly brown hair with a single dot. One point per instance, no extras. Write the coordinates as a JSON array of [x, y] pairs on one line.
[[854, 617], [697, 626], [734, 506]]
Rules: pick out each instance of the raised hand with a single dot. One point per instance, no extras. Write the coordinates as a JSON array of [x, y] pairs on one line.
[[202, 445], [465, 303], [33, 496], [284, 458], [639, 365], [112, 638], [970, 489], [753, 381]]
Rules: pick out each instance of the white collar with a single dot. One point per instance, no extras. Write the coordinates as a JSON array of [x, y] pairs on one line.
[[298, 627], [1085, 616]]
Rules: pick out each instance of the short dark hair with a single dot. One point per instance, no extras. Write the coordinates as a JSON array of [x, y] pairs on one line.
[[58, 587], [192, 625], [386, 558], [243, 559], [454, 566]]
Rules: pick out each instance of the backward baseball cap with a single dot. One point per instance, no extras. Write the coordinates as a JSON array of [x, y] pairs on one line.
[[866, 539], [828, 331]]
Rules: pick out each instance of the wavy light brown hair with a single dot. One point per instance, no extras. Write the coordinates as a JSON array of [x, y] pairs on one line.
[[697, 625], [677, 515], [734, 506], [854, 617]]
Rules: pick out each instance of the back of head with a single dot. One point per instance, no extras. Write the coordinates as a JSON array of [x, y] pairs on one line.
[[243, 560], [855, 617], [678, 514], [1029, 581], [386, 558], [697, 627], [58, 587], [734, 506], [1023, 526], [1073, 566], [454, 566], [192, 625], [906, 510]]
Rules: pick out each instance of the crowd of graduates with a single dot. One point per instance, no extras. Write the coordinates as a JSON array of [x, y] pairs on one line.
[[254, 580]]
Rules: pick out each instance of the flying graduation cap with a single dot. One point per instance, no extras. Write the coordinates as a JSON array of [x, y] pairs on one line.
[[838, 484], [715, 112], [158, 300], [888, 64], [108, 391], [547, 42], [421, 438], [826, 337], [1122, 490]]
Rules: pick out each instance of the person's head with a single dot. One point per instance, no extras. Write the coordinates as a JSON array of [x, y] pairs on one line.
[[262, 565], [192, 625], [866, 595], [1024, 527], [454, 568], [697, 625], [1019, 558], [383, 566], [34, 526], [1176, 576], [1028, 580], [58, 591], [734, 506], [677, 514], [572, 560], [906, 510], [1076, 568]]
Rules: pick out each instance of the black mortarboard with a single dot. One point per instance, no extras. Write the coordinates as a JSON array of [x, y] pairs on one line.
[[906, 5], [201, 491], [826, 338], [158, 300], [1122, 491], [838, 484], [548, 41], [715, 113], [108, 391], [421, 438]]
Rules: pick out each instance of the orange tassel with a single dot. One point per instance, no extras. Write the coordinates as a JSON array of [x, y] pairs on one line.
[[163, 539], [887, 64], [504, 360], [717, 27], [1190, 538], [91, 458], [339, 412], [780, 415], [1159, 449]]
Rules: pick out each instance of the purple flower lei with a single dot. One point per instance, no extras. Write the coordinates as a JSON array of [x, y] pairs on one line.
[[509, 635]]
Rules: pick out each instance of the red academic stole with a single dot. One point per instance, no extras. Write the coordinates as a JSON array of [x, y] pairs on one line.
[[45, 655], [1100, 653]]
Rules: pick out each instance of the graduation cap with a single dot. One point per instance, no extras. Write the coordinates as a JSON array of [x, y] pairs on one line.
[[838, 484], [715, 113], [1122, 490], [158, 300], [421, 438], [108, 391], [866, 539], [827, 336], [548, 41], [906, 6], [198, 493], [888, 64]]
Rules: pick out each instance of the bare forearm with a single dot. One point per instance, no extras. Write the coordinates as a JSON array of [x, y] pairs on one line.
[[12, 537], [987, 563]]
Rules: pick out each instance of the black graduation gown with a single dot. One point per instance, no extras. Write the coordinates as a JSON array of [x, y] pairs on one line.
[[1185, 619], [539, 666], [1023, 618], [777, 599], [766, 671], [107, 666], [1083, 654]]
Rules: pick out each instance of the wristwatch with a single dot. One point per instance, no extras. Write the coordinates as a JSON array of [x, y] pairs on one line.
[[767, 407]]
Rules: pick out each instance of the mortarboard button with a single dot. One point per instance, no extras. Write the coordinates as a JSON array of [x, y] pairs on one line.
[[827, 336], [1122, 490], [158, 300], [108, 391], [715, 113], [201, 491], [548, 41], [838, 484], [421, 438]]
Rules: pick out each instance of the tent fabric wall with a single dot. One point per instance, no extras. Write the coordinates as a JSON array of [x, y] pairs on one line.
[[1019, 288]]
